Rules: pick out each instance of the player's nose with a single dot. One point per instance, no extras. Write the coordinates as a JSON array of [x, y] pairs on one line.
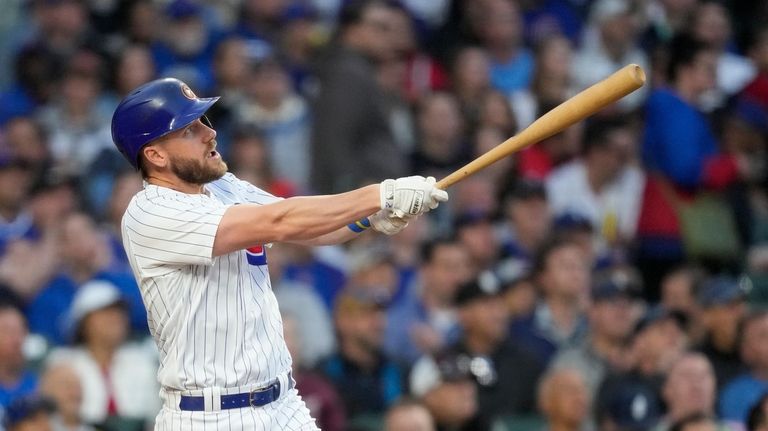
[[210, 133]]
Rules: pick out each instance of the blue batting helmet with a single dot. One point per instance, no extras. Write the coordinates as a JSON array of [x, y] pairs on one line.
[[153, 110]]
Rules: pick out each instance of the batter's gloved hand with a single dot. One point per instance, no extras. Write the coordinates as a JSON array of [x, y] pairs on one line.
[[411, 195], [386, 223]]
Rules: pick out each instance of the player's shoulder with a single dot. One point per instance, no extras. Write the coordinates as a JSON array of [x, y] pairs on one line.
[[156, 197], [160, 204]]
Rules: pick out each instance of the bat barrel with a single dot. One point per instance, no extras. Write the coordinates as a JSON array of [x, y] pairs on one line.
[[619, 84]]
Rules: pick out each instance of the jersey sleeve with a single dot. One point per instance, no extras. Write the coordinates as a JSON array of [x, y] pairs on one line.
[[164, 231]]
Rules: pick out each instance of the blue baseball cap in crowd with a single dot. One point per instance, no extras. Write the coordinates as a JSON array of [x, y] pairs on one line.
[[573, 221], [632, 406], [616, 284], [723, 290], [486, 285], [659, 313], [525, 189]]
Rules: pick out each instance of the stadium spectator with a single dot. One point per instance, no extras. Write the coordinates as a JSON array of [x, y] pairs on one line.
[[135, 66], [757, 89], [613, 312], [631, 399], [425, 320], [679, 289], [551, 83], [723, 309], [118, 378], [609, 43], [185, 45], [680, 154], [498, 24], [696, 422], [282, 115], [366, 379], [471, 79], [740, 393], [61, 384], [84, 253], [711, 25], [504, 372], [441, 145], [758, 415], [28, 413], [559, 321], [604, 185], [78, 116], [16, 180], [445, 383], [689, 389], [475, 232], [564, 399], [16, 380], [408, 415], [26, 140], [352, 142], [528, 220]]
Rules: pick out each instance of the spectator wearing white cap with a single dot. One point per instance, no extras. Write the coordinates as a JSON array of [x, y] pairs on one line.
[[117, 377]]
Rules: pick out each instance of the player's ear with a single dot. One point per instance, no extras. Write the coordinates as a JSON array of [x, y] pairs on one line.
[[154, 156]]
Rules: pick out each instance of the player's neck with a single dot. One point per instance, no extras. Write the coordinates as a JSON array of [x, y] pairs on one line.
[[175, 184]]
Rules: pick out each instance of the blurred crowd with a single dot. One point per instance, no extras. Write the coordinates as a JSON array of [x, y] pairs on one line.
[[611, 277]]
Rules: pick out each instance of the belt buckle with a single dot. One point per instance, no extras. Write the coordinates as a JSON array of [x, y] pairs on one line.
[[251, 397], [270, 387]]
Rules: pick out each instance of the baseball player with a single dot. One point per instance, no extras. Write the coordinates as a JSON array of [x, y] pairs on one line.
[[196, 237]]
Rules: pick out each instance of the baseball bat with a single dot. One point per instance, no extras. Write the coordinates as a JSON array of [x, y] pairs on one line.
[[622, 82]]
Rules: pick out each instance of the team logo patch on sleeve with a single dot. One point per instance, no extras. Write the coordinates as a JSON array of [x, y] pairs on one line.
[[256, 255]]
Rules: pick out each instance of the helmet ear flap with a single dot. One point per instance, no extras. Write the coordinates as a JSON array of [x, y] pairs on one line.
[[207, 121]]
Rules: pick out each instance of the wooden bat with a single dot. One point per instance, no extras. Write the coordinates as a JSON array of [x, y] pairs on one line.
[[622, 82]]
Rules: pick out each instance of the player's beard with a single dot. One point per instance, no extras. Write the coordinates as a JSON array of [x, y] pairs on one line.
[[194, 171]]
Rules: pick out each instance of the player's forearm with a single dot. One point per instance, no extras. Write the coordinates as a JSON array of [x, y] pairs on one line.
[[295, 219], [337, 236]]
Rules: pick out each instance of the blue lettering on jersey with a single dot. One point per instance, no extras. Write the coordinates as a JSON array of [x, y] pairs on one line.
[[256, 255]]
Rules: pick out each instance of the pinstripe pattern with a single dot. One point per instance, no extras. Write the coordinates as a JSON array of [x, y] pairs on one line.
[[215, 321]]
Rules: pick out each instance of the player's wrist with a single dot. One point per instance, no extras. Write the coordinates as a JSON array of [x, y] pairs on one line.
[[360, 226]]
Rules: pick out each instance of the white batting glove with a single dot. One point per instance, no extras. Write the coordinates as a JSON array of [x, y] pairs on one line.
[[386, 223], [411, 195]]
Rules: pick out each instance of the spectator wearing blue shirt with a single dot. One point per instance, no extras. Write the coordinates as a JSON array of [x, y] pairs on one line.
[[500, 27], [680, 153], [15, 380], [34, 69], [188, 47], [85, 256], [559, 321], [15, 181], [742, 392], [425, 320]]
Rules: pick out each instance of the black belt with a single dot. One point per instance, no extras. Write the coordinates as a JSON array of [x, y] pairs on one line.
[[255, 398]]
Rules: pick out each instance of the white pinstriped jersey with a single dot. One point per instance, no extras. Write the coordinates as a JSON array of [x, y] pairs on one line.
[[215, 320]]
